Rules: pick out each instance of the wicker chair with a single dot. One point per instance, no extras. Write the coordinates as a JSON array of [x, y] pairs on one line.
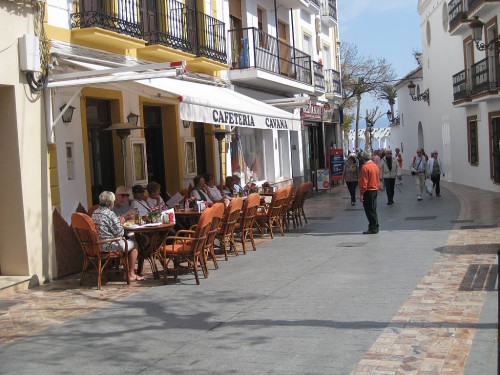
[[92, 247], [307, 190], [225, 234], [208, 248], [293, 212], [247, 219], [286, 206], [269, 216], [187, 247]]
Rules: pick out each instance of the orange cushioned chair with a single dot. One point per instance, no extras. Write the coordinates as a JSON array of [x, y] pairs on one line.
[[269, 216], [187, 246], [225, 234], [247, 220], [86, 233]]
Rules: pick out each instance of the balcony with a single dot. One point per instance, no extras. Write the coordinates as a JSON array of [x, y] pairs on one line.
[[262, 61], [313, 6], [171, 31], [333, 88], [481, 8], [319, 79], [329, 12], [457, 17], [476, 83]]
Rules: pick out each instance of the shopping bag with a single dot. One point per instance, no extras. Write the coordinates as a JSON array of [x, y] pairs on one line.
[[428, 186]]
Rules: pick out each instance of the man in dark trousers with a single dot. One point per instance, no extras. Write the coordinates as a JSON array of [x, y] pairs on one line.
[[368, 188]]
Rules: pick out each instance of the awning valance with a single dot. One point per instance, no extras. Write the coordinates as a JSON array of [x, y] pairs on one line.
[[221, 106]]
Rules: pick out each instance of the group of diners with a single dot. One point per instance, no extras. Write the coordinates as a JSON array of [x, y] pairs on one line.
[[116, 208]]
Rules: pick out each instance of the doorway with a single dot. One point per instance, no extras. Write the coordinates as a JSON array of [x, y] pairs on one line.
[[201, 159], [101, 160], [314, 157], [495, 149], [153, 134]]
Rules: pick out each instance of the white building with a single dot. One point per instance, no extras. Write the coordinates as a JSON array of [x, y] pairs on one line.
[[461, 118]]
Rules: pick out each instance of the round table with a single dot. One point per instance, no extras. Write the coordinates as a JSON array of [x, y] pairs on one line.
[[151, 237], [186, 217]]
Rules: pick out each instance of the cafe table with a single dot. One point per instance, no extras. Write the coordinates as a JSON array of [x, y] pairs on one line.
[[151, 237], [185, 217]]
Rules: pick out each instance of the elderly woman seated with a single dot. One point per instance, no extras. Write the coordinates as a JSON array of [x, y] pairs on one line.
[[200, 190], [213, 192], [109, 226], [154, 199]]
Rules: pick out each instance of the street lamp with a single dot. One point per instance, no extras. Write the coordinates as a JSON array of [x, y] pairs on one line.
[[392, 120], [425, 96], [477, 35]]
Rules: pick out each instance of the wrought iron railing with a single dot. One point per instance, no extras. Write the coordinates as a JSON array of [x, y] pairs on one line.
[[460, 86], [329, 8], [169, 23], [484, 75], [121, 16], [257, 49], [332, 82], [456, 11], [315, 2], [472, 3], [172, 27], [211, 38], [319, 77]]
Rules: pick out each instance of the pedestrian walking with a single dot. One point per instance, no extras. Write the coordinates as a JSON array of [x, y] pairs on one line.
[[417, 170], [435, 170], [368, 189], [350, 177], [399, 157], [389, 171]]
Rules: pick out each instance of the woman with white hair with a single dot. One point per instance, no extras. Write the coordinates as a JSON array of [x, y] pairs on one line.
[[109, 226]]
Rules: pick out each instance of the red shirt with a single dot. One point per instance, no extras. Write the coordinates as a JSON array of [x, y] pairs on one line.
[[368, 177]]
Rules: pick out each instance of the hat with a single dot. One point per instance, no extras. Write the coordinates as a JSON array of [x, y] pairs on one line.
[[138, 189], [367, 155], [121, 190]]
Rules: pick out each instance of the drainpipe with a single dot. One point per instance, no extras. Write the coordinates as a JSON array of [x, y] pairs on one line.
[[293, 43], [277, 34]]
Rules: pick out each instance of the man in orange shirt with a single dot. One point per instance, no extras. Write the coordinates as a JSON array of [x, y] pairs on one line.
[[368, 188]]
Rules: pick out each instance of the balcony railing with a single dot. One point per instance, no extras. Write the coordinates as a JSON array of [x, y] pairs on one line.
[[257, 49], [319, 78], [484, 75], [473, 3], [171, 24], [121, 16], [329, 8], [460, 86], [316, 3], [332, 82], [456, 12], [171, 27]]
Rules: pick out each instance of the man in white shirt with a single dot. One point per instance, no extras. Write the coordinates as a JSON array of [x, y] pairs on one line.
[[139, 203]]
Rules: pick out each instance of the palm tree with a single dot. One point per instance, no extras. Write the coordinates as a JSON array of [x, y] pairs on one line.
[[389, 93]]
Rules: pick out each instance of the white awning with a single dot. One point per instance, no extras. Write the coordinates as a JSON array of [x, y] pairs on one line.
[[222, 106]]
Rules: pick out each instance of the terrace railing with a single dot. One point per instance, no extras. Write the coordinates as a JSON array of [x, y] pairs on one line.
[[257, 49], [332, 82]]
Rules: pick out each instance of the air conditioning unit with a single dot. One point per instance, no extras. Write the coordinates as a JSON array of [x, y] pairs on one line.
[[29, 53]]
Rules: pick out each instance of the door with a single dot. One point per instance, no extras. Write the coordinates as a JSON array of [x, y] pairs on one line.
[[100, 143], [201, 159], [154, 147], [495, 148], [192, 25], [284, 50]]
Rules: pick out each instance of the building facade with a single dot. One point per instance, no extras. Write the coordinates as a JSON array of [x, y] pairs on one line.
[[458, 117]]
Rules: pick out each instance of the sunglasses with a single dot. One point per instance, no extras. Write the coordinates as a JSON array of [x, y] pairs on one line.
[[124, 195]]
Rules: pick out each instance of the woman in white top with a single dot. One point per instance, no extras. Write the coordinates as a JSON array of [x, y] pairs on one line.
[[154, 199], [200, 190]]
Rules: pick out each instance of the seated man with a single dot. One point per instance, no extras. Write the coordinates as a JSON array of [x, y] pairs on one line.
[[228, 188], [122, 204], [139, 203], [213, 192], [237, 184]]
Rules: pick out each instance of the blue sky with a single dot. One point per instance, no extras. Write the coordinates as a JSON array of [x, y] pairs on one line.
[[389, 28]]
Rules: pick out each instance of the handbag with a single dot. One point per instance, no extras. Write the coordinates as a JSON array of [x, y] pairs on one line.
[[428, 186]]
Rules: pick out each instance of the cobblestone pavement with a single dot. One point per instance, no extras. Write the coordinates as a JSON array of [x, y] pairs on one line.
[[432, 333]]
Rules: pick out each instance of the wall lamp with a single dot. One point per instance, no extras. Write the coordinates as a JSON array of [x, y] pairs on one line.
[[133, 119], [393, 120], [425, 96], [68, 113], [477, 35]]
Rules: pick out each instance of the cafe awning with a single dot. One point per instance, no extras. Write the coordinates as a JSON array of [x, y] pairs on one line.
[[222, 106]]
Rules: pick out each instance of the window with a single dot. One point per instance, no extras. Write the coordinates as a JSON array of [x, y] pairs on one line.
[[327, 58], [472, 140], [252, 149], [306, 47]]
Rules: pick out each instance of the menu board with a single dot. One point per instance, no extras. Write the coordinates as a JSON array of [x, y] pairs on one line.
[[323, 179], [336, 164]]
